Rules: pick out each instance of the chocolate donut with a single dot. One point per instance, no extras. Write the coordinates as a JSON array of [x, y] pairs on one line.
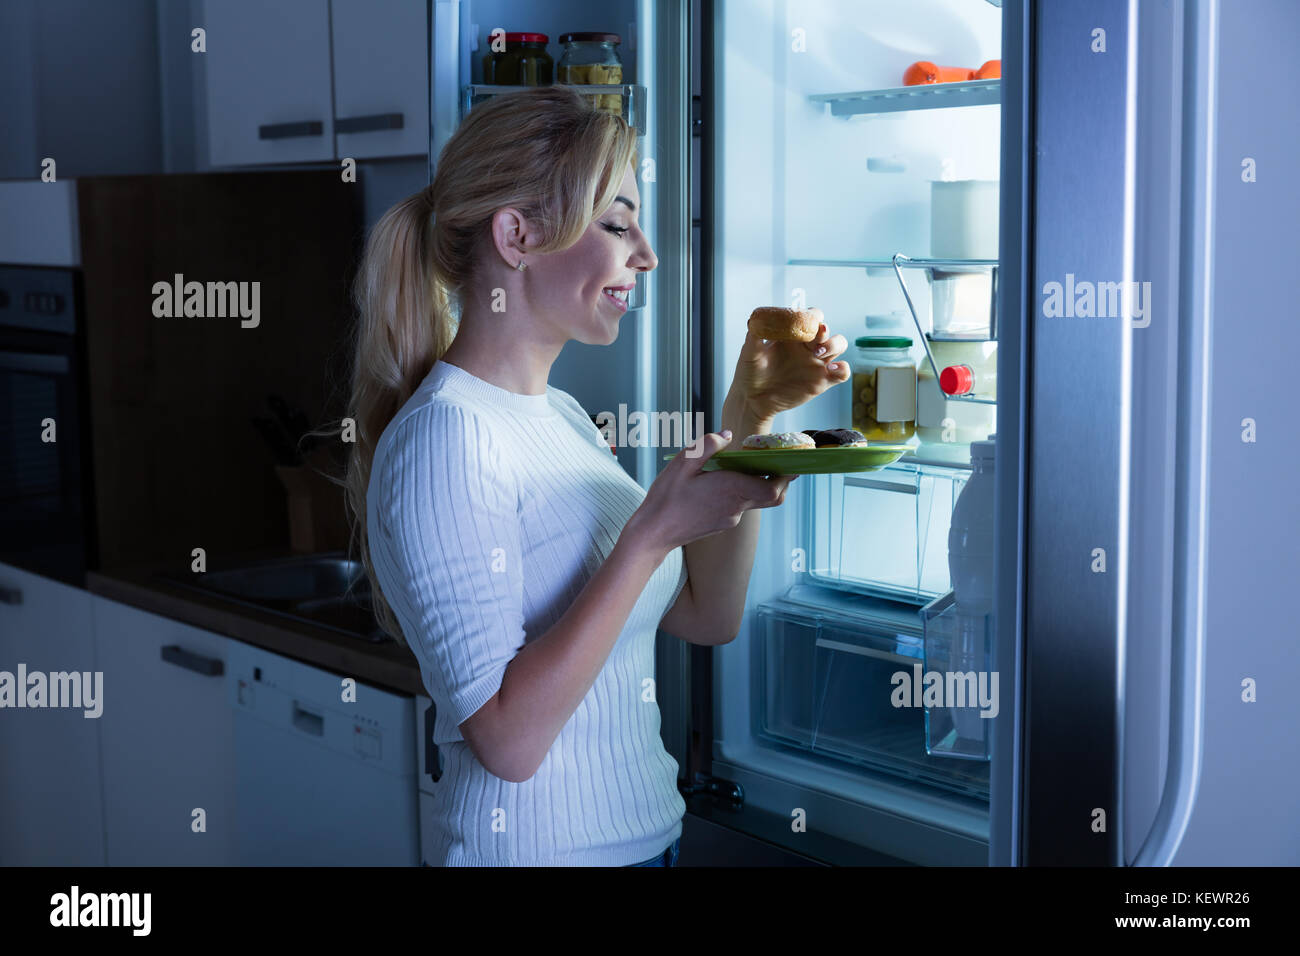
[[836, 437], [785, 325]]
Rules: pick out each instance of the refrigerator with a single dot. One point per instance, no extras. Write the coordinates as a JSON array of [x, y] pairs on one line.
[[1116, 276]]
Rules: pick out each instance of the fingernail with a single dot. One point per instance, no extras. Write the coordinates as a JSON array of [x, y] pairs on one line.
[[820, 350], [726, 433], [833, 366]]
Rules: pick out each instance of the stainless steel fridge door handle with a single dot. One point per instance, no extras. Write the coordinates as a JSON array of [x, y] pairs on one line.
[[1187, 640]]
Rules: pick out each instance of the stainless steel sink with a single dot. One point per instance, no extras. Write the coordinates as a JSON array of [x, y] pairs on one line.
[[328, 590], [293, 579]]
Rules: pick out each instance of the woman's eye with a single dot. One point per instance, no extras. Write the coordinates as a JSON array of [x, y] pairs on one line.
[[619, 231]]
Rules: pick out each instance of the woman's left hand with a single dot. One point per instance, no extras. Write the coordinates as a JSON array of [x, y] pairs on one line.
[[774, 377]]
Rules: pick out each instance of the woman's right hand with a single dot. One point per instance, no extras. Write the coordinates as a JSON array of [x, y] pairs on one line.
[[685, 503]]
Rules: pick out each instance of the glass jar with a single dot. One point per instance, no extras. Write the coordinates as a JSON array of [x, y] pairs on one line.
[[524, 62], [884, 388], [590, 59]]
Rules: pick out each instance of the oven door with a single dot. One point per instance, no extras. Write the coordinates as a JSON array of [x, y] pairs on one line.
[[46, 523]]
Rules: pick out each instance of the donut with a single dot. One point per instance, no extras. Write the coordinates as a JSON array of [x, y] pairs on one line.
[[779, 440], [836, 437], [785, 325]]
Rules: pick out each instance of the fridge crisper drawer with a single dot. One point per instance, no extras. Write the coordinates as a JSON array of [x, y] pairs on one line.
[[885, 532], [826, 686]]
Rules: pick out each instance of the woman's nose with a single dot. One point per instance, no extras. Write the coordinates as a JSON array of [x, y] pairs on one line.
[[645, 259]]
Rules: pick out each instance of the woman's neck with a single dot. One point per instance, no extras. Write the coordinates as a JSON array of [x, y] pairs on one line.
[[501, 352]]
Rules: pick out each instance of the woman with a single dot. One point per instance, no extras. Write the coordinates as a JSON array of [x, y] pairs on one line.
[[524, 568]]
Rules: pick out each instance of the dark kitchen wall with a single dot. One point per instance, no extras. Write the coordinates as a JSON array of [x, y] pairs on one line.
[[178, 463]]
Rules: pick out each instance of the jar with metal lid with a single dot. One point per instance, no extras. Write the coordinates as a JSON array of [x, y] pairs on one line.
[[591, 59], [884, 388], [523, 62]]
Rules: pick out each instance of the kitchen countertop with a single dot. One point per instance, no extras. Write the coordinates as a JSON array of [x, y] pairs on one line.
[[389, 665]]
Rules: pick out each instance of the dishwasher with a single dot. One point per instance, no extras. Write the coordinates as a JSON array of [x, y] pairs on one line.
[[321, 780]]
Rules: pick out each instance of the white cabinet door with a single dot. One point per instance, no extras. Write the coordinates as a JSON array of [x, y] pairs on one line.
[[168, 742], [268, 81], [380, 78], [50, 798]]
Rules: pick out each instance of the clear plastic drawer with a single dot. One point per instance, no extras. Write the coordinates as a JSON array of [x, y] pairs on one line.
[[885, 532], [828, 684]]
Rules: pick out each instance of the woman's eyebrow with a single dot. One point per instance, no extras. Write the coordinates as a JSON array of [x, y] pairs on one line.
[[626, 202]]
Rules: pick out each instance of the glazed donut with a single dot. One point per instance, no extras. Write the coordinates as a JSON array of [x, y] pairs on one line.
[[779, 440], [785, 325]]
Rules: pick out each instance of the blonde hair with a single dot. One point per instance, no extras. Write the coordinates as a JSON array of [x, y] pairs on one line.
[[545, 152]]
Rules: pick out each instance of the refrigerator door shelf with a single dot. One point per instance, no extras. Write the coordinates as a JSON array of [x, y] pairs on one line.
[[630, 98], [958, 648], [829, 685]]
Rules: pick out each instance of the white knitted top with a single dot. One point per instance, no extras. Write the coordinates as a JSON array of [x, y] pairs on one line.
[[487, 513]]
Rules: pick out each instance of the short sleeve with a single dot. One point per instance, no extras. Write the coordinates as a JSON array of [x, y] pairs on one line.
[[445, 539]]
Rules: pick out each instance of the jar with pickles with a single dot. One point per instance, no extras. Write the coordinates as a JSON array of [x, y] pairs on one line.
[[591, 59], [884, 388], [523, 62]]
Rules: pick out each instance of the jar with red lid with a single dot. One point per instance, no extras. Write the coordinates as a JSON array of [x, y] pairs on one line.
[[592, 59], [523, 62]]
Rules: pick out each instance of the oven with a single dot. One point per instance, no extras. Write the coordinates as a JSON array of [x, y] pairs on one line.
[[47, 521]]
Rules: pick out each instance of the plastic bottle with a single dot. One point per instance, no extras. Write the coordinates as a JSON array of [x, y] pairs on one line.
[[970, 565], [970, 535]]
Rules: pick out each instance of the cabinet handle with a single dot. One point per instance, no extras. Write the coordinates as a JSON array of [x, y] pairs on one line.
[[291, 130], [31, 362], [369, 124], [308, 722], [11, 595], [207, 666]]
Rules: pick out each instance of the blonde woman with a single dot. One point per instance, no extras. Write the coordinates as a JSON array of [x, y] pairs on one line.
[[524, 568]]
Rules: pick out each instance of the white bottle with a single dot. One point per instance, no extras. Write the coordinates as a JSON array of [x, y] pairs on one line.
[[970, 565], [970, 536]]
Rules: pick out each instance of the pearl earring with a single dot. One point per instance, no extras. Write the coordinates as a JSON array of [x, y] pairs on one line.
[[520, 267]]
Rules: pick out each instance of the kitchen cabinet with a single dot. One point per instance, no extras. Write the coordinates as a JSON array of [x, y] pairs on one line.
[[380, 78], [312, 80], [268, 82], [51, 812], [167, 739]]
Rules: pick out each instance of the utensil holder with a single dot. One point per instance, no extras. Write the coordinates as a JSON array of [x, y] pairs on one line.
[[317, 507]]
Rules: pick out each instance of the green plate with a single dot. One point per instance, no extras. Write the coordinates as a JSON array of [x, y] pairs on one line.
[[805, 461]]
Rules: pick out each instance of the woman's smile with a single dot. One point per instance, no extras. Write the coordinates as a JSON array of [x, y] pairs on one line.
[[618, 295]]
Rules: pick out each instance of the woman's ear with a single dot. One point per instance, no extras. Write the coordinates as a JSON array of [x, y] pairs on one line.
[[512, 236]]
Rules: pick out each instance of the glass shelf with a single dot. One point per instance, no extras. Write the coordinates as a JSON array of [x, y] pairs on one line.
[[947, 265], [924, 96], [633, 98]]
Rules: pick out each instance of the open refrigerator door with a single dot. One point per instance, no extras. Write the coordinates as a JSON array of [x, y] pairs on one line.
[[843, 179]]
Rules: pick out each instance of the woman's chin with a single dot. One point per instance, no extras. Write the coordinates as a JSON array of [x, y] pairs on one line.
[[604, 334]]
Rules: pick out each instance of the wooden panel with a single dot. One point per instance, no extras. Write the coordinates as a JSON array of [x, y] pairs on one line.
[[178, 464]]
